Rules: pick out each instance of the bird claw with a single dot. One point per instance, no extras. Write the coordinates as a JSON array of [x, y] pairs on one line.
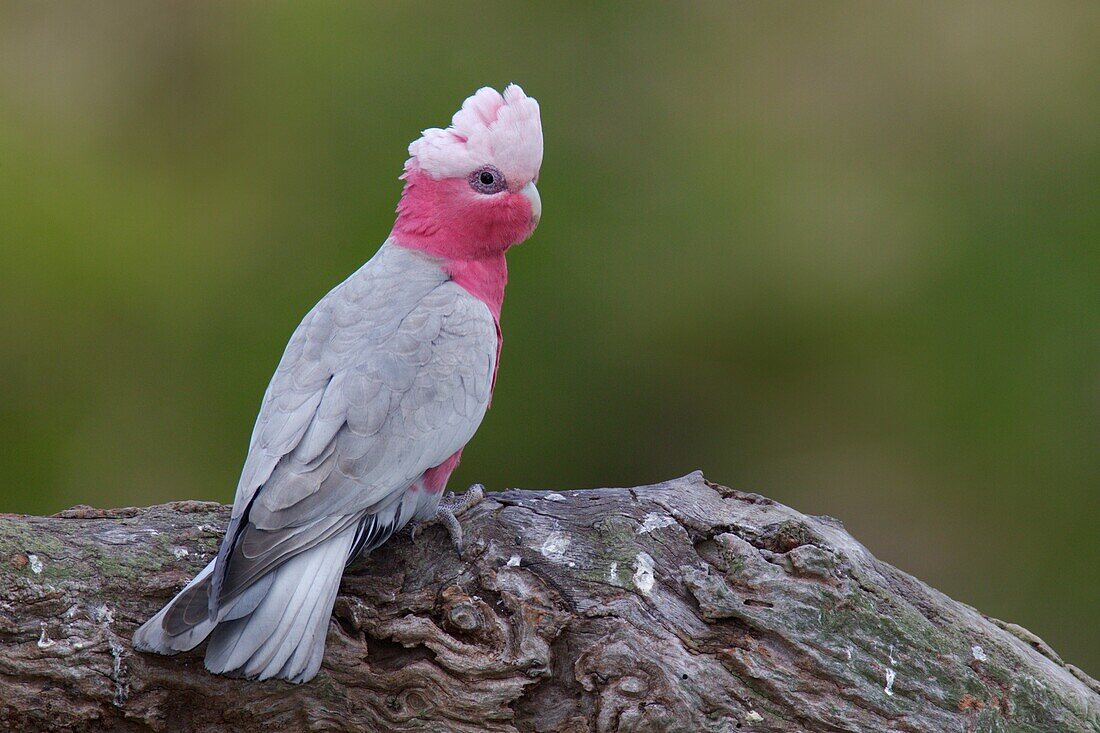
[[450, 508], [459, 505]]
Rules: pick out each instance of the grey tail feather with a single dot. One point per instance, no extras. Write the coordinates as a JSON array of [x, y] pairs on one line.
[[280, 631], [154, 634]]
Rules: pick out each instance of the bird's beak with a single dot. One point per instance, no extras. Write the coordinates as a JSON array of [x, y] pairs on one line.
[[532, 195]]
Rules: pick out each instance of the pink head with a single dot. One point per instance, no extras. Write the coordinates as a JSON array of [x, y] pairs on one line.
[[470, 189]]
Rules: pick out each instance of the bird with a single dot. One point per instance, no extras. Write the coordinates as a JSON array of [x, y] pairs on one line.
[[379, 389]]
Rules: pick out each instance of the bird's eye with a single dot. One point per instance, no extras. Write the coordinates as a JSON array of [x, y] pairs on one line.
[[487, 180]]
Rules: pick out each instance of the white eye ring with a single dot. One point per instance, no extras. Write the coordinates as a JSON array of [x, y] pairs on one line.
[[488, 180]]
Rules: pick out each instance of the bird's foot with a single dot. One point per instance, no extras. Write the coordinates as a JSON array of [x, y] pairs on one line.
[[450, 508]]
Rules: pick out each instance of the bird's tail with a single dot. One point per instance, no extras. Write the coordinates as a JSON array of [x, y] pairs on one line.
[[154, 635], [281, 631], [276, 628]]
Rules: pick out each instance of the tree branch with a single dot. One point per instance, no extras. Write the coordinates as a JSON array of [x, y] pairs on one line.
[[683, 606]]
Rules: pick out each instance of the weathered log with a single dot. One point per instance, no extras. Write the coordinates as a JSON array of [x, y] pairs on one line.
[[683, 606]]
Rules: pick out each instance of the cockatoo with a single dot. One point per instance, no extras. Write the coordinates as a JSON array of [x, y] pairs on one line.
[[379, 389]]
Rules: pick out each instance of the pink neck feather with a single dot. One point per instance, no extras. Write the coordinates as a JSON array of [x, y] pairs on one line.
[[484, 279], [471, 233]]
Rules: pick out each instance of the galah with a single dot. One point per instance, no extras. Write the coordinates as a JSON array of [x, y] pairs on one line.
[[381, 386]]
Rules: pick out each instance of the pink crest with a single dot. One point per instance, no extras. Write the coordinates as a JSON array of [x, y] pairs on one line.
[[503, 130]]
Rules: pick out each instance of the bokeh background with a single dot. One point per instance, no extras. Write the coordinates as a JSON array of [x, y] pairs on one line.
[[843, 254]]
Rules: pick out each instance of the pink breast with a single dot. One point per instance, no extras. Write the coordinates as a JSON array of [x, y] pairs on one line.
[[434, 479]]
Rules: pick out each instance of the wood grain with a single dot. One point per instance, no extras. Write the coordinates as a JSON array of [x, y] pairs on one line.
[[683, 606]]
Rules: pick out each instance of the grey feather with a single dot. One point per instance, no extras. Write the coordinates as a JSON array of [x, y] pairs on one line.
[[387, 376], [280, 636]]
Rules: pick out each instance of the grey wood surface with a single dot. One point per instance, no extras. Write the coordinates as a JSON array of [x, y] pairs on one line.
[[683, 606]]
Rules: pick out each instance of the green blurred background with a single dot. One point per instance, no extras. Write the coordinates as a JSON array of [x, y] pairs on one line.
[[845, 255]]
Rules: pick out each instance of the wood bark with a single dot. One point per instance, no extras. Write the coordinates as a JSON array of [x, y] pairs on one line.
[[683, 606]]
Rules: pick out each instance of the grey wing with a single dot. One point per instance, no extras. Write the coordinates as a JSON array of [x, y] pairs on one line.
[[383, 421], [388, 378]]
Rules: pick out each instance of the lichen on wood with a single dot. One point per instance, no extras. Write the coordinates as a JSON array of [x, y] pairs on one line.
[[683, 606]]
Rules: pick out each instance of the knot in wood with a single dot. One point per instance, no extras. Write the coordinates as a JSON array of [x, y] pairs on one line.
[[464, 616]]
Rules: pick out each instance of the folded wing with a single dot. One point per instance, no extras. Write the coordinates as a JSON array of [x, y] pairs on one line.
[[388, 376]]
